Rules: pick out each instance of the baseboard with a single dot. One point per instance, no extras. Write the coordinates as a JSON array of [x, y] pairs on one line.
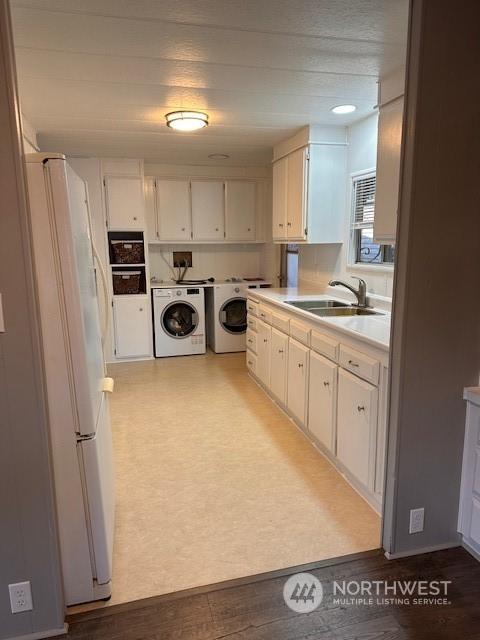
[[51, 633], [473, 552], [418, 552]]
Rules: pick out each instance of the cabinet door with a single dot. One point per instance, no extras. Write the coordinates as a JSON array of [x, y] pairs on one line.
[[388, 170], [125, 202], [357, 409], [279, 230], [132, 326], [278, 368], [173, 207], [322, 400], [150, 209], [240, 210], [263, 352], [297, 194], [297, 379], [208, 210]]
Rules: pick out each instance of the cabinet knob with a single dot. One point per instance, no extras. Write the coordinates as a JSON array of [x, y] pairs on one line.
[[216, 228], [300, 365], [280, 351], [289, 224], [141, 309], [134, 217], [326, 384], [250, 340], [360, 408], [265, 340], [353, 364], [280, 224], [183, 228], [248, 229]]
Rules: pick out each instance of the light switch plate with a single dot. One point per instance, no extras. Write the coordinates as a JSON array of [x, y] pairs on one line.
[[417, 519]]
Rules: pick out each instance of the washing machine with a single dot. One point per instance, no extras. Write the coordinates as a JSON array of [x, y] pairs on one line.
[[179, 321], [226, 310]]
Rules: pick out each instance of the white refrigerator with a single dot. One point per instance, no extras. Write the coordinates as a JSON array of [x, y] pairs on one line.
[[68, 281]]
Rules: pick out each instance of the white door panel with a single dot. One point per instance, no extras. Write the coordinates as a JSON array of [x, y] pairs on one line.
[[174, 212], [298, 357], [322, 399], [279, 358]]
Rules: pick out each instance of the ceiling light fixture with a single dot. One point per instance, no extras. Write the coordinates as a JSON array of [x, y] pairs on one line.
[[342, 109], [186, 120], [219, 156]]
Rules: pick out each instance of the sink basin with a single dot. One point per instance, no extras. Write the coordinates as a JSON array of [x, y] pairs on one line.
[[345, 311], [313, 305], [331, 308]]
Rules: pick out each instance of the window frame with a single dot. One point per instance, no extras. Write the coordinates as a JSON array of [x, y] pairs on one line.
[[353, 245]]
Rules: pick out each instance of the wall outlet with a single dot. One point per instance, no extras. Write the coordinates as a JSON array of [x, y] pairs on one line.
[[417, 518], [20, 597]]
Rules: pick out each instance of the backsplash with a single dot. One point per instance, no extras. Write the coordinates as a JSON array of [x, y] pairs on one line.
[[218, 261]]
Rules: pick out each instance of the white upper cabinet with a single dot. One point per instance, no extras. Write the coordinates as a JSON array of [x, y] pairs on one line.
[[297, 191], [390, 120], [125, 202], [173, 210], [388, 170], [208, 210], [240, 210], [279, 230], [309, 182]]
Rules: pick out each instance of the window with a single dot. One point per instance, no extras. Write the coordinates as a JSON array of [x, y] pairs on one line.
[[364, 249], [292, 265]]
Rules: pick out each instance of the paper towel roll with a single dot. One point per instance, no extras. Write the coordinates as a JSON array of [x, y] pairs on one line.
[[108, 384]]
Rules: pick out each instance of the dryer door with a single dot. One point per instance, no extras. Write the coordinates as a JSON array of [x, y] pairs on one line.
[[233, 315], [179, 319]]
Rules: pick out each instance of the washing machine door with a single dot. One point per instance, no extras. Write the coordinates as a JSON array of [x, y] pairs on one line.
[[233, 315], [179, 319]]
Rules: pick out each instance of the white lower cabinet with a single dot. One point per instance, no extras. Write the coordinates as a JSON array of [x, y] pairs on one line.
[[298, 356], [132, 323], [278, 365], [357, 410], [322, 400], [263, 352]]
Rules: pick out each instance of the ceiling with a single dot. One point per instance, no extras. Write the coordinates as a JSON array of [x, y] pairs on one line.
[[96, 77]]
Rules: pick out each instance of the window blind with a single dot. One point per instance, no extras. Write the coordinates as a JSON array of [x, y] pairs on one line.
[[363, 202]]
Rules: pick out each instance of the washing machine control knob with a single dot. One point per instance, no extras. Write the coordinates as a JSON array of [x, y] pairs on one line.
[[179, 293], [237, 289]]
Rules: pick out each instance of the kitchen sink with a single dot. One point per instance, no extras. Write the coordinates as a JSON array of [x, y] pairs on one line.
[[345, 311], [331, 308], [313, 305]]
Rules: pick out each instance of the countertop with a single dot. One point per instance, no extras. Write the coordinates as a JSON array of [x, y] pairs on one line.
[[173, 285], [374, 330]]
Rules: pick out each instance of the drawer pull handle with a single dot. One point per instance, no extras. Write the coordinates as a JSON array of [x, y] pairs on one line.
[[360, 408], [265, 340], [250, 362], [250, 340], [326, 384], [300, 365], [280, 351], [353, 364]]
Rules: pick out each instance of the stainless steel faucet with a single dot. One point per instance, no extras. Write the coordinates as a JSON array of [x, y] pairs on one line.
[[360, 293]]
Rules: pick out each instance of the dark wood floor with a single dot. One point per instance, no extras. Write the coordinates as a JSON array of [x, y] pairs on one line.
[[254, 609]]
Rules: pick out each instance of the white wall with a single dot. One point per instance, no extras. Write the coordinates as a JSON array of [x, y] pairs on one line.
[[223, 260], [320, 263], [30, 144]]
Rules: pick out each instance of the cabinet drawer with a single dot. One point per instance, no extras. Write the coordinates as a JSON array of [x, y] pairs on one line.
[[265, 313], [324, 345], [251, 361], [359, 364], [252, 307], [280, 321], [252, 323], [300, 332], [252, 340]]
